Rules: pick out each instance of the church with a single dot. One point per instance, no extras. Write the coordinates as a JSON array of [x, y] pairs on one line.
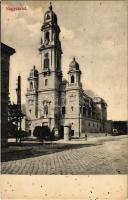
[[54, 101]]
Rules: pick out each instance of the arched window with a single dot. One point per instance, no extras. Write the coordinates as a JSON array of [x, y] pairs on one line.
[[63, 110], [46, 55], [47, 17], [31, 85], [72, 79], [46, 63], [46, 60], [84, 110], [47, 35], [46, 82]]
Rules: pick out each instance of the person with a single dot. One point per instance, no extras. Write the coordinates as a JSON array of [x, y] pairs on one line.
[[85, 136], [52, 134]]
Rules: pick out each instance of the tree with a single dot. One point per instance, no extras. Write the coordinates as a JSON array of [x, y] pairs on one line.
[[15, 117]]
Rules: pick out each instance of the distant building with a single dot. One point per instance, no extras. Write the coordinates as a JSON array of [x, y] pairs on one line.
[[109, 126], [6, 52], [121, 126], [55, 102]]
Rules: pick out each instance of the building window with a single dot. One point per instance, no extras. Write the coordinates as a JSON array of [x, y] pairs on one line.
[[46, 55], [46, 63], [47, 36], [47, 17], [72, 79], [46, 82], [84, 110], [89, 124], [30, 110], [72, 132], [63, 110], [72, 108], [31, 85], [93, 125]]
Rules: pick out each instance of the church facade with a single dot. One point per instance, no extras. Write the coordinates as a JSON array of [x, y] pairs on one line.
[[54, 101]]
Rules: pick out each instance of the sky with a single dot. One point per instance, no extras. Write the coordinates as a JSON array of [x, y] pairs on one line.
[[94, 32]]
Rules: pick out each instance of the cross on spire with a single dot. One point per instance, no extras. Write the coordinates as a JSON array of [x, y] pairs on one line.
[[74, 59], [50, 7]]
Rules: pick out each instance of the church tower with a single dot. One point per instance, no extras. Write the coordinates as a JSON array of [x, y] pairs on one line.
[[74, 74], [73, 93], [50, 46], [32, 95], [50, 74]]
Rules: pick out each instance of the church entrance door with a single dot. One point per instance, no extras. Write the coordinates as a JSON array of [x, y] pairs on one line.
[[61, 132]]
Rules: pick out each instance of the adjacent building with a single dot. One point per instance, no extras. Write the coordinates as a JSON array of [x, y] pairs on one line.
[[54, 101], [6, 52]]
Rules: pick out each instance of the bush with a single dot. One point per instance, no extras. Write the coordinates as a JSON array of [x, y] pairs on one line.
[[25, 134], [42, 132], [12, 128], [37, 131]]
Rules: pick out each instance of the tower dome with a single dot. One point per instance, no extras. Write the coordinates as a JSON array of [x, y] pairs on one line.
[[33, 72], [50, 15], [74, 65]]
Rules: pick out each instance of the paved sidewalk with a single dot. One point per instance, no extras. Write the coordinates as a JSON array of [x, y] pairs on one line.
[[104, 155], [92, 139]]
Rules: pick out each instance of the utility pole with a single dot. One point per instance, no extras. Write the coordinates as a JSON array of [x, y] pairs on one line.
[[79, 119], [18, 92]]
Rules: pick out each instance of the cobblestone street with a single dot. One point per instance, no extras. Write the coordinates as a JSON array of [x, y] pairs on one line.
[[104, 155]]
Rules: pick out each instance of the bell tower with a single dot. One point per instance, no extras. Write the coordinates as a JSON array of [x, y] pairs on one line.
[[50, 73], [50, 49], [74, 74], [32, 94]]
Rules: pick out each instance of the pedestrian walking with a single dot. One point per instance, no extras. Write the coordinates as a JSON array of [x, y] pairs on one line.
[[86, 137], [52, 134]]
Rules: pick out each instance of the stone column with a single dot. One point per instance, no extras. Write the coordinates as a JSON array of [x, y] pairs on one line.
[[66, 133]]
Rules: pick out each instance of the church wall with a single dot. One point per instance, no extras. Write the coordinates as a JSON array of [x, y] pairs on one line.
[[31, 106], [49, 98], [73, 122], [72, 103], [72, 110], [50, 81], [90, 125]]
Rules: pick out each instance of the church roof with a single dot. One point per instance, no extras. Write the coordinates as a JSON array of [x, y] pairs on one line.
[[99, 100], [7, 49]]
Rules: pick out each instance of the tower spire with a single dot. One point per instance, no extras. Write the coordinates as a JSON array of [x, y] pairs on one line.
[[50, 7], [74, 59]]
